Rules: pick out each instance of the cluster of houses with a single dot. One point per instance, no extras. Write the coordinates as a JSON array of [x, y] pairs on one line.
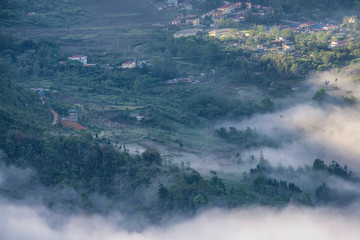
[[240, 10], [235, 12], [308, 27]]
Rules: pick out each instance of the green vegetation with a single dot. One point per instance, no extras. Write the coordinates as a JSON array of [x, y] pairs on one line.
[[40, 12], [247, 138]]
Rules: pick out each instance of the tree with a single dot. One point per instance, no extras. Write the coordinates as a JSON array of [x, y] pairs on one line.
[[198, 201], [319, 164], [319, 95], [152, 155]]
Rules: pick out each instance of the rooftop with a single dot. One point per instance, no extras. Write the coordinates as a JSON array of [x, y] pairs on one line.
[[78, 56]]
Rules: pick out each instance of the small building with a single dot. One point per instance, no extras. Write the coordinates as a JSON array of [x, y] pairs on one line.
[[187, 32], [128, 64], [228, 8], [192, 20], [139, 118], [176, 21], [73, 115], [307, 26], [288, 46], [248, 5], [338, 44], [217, 14], [239, 18], [80, 58], [331, 27]]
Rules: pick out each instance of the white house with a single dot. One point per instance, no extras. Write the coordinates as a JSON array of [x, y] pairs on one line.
[[80, 58]]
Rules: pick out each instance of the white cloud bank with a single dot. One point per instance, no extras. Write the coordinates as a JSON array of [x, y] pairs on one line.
[[21, 222]]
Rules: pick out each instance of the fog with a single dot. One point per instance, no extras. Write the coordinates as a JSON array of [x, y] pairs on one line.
[[22, 222], [307, 130], [304, 129]]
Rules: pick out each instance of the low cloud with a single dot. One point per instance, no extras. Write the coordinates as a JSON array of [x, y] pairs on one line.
[[21, 222]]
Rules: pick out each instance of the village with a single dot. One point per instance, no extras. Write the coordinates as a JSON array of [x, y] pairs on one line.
[[234, 14], [229, 27]]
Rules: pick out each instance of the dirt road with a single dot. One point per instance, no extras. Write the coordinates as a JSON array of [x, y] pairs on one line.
[[56, 117]]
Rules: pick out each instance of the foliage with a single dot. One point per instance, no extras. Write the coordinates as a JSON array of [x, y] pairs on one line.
[[319, 95], [247, 138]]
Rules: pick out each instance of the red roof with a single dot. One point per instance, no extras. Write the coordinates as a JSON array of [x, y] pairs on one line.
[[77, 56], [75, 125]]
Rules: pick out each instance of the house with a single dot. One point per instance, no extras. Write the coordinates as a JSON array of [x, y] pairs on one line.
[[73, 115], [187, 32], [248, 5], [143, 63], [259, 13], [288, 46], [239, 18], [337, 44], [331, 27], [176, 21], [228, 8], [80, 58], [307, 26], [218, 14], [137, 116], [278, 43], [260, 48], [128, 64], [105, 66], [352, 20], [192, 19], [237, 6]]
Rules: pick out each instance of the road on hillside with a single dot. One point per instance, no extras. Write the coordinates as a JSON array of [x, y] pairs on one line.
[[55, 117]]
